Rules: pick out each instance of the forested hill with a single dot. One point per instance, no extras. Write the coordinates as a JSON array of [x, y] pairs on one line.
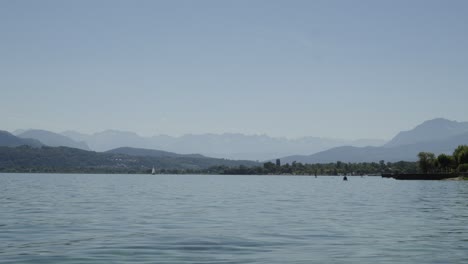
[[63, 159], [52, 139], [150, 153], [9, 140]]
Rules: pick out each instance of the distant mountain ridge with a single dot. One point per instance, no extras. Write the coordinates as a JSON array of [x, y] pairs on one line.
[[437, 136], [435, 129], [9, 140], [52, 139], [227, 145], [111, 139]]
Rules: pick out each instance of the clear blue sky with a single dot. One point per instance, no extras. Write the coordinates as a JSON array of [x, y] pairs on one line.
[[346, 69]]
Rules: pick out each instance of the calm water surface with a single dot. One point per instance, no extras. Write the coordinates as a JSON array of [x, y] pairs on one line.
[[54, 218]]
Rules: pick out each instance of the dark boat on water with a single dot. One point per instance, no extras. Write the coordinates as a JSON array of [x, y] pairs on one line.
[[421, 176]]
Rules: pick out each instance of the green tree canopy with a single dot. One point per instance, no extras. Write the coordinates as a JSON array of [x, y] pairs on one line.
[[461, 154], [445, 161], [426, 161]]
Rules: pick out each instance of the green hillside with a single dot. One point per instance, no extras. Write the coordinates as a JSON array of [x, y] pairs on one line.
[[63, 159]]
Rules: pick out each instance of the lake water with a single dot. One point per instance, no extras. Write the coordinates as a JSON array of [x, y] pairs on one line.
[[54, 218]]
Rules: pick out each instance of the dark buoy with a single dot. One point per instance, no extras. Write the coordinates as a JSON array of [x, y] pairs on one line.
[[345, 178]]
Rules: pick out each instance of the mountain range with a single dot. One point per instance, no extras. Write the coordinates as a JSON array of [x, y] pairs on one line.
[[431, 130], [52, 139], [9, 140], [228, 145], [20, 154], [438, 136]]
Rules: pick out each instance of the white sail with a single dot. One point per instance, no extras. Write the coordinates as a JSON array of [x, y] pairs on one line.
[[153, 171]]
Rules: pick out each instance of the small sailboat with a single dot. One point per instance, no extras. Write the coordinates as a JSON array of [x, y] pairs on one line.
[[153, 171]]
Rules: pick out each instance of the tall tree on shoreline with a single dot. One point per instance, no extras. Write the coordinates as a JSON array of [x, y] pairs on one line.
[[426, 161], [445, 162], [460, 154]]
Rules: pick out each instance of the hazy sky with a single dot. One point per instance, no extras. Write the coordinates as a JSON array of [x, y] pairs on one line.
[[346, 69]]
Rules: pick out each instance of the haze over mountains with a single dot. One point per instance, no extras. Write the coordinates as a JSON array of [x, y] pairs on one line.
[[52, 139], [26, 154], [437, 135], [228, 145], [9, 140], [431, 130]]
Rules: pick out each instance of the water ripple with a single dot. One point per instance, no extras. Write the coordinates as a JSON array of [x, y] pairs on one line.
[[230, 219]]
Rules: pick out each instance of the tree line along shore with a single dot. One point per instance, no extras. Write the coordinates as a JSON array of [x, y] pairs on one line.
[[428, 163]]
